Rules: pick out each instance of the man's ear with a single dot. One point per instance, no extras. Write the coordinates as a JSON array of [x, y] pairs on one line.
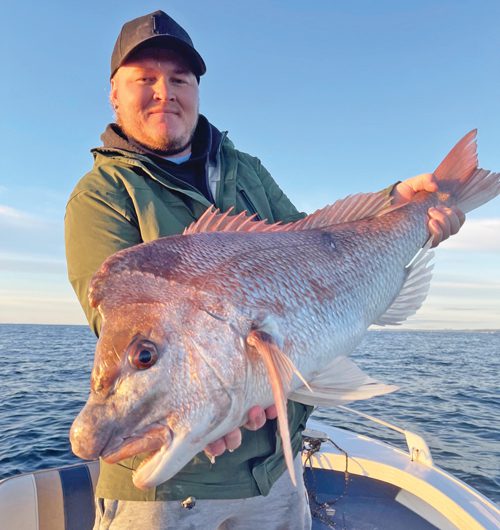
[[112, 94]]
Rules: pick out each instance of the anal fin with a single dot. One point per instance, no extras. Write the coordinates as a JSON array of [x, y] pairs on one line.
[[414, 289], [342, 381]]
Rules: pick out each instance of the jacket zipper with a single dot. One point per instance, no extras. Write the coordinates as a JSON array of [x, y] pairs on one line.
[[218, 162]]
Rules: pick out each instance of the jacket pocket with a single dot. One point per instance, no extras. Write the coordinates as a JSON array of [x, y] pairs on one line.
[[248, 204]]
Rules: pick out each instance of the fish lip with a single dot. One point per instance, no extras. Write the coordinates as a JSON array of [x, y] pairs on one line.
[[153, 437]]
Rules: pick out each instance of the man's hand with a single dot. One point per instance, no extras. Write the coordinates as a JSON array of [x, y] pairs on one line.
[[257, 417], [443, 221]]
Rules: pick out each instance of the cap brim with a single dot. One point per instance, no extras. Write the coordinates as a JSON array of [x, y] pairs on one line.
[[169, 42]]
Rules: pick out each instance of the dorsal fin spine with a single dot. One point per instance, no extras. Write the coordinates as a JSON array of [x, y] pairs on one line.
[[352, 208]]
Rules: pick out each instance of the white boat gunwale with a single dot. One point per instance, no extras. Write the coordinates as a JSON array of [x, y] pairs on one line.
[[460, 504]]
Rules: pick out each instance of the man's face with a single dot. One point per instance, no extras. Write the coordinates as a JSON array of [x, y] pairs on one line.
[[155, 96]]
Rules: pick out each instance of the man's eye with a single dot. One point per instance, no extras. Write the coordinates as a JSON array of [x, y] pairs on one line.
[[179, 81], [145, 80]]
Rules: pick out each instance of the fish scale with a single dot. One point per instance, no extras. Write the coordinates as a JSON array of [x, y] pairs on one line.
[[200, 327]]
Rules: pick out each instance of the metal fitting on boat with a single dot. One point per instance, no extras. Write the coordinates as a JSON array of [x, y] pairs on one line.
[[188, 503]]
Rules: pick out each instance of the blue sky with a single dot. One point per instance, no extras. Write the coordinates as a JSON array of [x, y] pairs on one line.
[[335, 97]]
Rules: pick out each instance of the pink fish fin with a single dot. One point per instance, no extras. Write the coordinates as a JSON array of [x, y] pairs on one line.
[[413, 291], [352, 208], [458, 175], [280, 370], [341, 381], [211, 217], [214, 221]]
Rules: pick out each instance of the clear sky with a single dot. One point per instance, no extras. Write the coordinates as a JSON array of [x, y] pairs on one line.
[[335, 97]]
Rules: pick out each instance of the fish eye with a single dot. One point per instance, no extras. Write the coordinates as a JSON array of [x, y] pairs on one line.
[[143, 355]]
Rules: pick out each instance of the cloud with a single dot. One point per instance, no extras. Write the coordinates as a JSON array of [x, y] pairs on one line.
[[26, 263], [44, 309], [13, 216], [25, 234], [42, 202], [476, 235], [454, 286]]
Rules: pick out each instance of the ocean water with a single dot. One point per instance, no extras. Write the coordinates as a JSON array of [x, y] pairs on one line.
[[449, 394]]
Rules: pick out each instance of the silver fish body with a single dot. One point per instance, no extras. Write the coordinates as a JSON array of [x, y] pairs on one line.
[[200, 327]]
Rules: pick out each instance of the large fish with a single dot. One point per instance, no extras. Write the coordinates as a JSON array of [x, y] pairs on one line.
[[197, 328]]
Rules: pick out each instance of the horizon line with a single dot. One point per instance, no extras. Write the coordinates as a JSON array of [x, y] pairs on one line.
[[378, 329]]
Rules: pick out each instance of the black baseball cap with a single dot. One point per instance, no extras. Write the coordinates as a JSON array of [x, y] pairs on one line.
[[155, 30]]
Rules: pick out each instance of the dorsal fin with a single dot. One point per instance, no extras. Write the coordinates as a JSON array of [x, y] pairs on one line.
[[352, 208], [214, 221]]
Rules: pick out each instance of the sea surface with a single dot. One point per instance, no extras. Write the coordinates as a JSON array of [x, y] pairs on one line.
[[449, 394]]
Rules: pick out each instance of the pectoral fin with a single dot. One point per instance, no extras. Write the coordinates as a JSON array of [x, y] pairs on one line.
[[340, 382], [280, 370]]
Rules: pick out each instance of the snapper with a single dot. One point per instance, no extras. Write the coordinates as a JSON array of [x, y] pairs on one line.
[[199, 327]]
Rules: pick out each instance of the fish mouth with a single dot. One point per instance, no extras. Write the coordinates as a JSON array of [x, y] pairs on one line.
[[150, 439], [163, 463]]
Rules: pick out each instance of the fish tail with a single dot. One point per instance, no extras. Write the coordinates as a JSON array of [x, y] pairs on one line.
[[459, 177]]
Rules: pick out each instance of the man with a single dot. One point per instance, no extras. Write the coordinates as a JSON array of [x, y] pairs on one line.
[[161, 165]]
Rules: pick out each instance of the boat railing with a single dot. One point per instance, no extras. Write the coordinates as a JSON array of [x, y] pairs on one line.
[[417, 447]]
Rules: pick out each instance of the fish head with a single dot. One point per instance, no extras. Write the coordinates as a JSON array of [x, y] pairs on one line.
[[167, 380]]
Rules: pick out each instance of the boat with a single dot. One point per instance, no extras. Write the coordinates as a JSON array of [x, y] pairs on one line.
[[354, 482]]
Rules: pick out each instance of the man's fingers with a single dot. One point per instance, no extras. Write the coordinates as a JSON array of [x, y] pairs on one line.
[[256, 418], [459, 220], [444, 222], [229, 442], [435, 231], [440, 217], [271, 412], [215, 448], [405, 190], [428, 182], [233, 440]]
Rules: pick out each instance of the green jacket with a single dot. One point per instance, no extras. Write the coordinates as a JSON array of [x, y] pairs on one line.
[[128, 199]]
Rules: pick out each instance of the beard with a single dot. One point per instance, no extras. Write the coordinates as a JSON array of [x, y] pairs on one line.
[[158, 144]]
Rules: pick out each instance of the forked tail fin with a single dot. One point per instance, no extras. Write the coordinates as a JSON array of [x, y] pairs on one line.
[[458, 175]]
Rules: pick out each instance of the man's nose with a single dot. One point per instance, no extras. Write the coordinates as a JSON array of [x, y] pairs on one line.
[[163, 90]]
